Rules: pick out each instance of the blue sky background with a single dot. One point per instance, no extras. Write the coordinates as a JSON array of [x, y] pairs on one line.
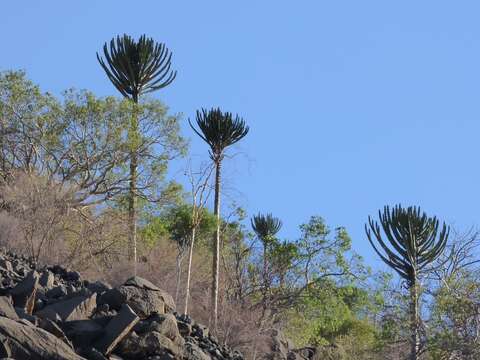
[[352, 104]]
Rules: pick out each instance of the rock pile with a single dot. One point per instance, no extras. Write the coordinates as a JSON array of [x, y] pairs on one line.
[[51, 313]]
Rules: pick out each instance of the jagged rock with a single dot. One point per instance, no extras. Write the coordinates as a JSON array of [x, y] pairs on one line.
[[141, 327], [47, 279], [141, 295], [72, 276], [54, 329], [93, 354], [22, 314], [193, 352], [117, 329], [83, 332], [77, 308], [141, 283], [147, 344], [24, 293], [200, 330], [71, 290], [184, 328], [165, 324], [7, 309], [5, 264], [29, 342], [98, 287], [65, 312], [57, 292]]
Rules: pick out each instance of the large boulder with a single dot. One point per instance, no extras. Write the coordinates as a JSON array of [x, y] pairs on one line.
[[7, 309], [158, 335], [77, 308], [46, 279], [117, 329], [141, 295], [149, 344], [83, 333], [166, 324], [24, 293], [193, 352], [21, 341]]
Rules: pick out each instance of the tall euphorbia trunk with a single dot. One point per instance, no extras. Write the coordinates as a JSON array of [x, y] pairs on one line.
[[132, 196], [216, 247], [414, 325], [132, 213]]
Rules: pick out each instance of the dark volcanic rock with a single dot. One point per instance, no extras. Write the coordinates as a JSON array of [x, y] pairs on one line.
[[142, 296], [29, 342], [24, 293], [7, 309], [83, 332], [78, 308], [47, 279], [54, 329], [117, 329], [51, 313]]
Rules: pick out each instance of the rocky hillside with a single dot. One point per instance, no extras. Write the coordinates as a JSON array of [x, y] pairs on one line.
[[52, 313]]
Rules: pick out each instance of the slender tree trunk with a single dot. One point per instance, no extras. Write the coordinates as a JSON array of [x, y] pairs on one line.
[[216, 250], [414, 325], [132, 198], [189, 270], [179, 274]]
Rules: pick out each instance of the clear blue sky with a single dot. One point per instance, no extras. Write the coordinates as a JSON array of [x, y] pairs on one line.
[[352, 104]]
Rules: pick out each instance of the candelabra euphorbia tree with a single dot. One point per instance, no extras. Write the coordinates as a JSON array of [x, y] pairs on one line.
[[219, 130], [136, 68], [408, 241], [266, 227]]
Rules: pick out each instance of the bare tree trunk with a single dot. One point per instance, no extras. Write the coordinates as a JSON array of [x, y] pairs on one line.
[[179, 274], [414, 323], [216, 250], [189, 270]]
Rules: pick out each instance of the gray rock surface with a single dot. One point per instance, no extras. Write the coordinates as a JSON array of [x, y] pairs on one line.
[[7, 309], [24, 293], [117, 329], [77, 308], [21, 341]]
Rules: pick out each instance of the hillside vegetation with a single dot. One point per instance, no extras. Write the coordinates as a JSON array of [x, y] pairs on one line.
[[84, 184]]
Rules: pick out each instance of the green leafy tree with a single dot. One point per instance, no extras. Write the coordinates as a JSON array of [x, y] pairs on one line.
[[411, 241], [75, 140], [454, 323], [136, 68], [180, 222], [333, 314], [219, 130]]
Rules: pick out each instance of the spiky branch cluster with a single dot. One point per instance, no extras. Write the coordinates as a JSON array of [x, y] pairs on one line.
[[412, 236], [266, 226], [137, 67], [219, 130]]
